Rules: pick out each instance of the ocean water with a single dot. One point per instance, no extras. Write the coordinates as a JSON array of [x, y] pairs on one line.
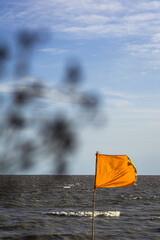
[[60, 207]]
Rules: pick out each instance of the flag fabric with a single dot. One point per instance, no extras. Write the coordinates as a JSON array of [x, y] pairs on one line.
[[114, 171]]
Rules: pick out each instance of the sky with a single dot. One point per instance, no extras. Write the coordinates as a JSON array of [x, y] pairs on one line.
[[117, 44]]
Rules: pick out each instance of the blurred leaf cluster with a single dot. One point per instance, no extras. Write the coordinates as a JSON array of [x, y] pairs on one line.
[[27, 136]]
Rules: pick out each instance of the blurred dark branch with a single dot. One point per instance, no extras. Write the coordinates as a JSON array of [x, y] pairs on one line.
[[33, 134], [4, 56]]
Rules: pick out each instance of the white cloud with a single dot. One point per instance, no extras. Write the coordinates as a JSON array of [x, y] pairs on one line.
[[141, 17], [95, 29], [156, 38], [117, 99], [91, 19], [86, 18], [149, 5], [144, 48], [143, 73], [5, 89], [130, 101], [54, 51], [118, 103], [112, 93]]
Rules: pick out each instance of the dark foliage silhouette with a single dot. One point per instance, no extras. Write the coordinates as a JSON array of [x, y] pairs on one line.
[[28, 134]]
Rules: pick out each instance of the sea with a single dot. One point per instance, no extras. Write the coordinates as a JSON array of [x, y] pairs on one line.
[[60, 207]]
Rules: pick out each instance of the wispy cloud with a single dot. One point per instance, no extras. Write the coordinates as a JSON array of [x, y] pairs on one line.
[[55, 51], [130, 100], [54, 94], [118, 103], [85, 18], [112, 93], [148, 5], [144, 48]]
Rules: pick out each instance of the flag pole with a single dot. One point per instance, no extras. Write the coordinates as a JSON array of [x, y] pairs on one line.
[[93, 214], [94, 193]]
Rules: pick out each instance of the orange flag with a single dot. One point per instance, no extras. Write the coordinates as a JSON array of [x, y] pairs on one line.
[[114, 171]]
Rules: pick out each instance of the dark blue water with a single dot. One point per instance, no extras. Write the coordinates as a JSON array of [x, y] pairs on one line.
[[60, 207]]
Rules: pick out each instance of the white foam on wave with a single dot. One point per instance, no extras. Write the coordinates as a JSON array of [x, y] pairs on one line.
[[70, 185], [87, 213], [155, 218]]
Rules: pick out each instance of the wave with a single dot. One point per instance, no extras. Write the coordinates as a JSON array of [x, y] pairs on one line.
[[70, 185], [155, 218], [86, 213]]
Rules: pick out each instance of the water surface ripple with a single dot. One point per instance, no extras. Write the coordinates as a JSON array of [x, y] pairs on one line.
[[60, 207]]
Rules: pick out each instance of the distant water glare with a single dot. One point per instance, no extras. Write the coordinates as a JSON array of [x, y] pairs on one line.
[[60, 207]]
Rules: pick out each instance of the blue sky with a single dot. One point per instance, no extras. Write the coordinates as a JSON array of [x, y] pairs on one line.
[[118, 45]]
